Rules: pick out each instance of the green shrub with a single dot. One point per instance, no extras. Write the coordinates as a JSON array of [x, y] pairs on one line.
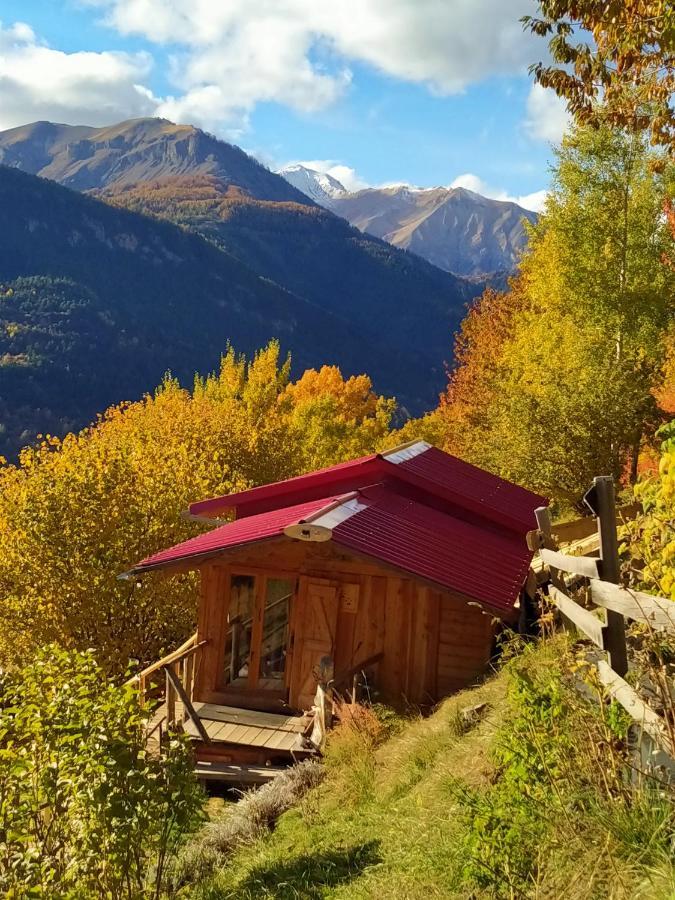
[[84, 810], [561, 782]]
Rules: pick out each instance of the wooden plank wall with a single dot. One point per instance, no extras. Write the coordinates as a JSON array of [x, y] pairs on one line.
[[465, 638], [432, 642]]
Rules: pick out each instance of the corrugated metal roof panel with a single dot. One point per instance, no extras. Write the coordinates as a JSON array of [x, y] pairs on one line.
[[492, 495], [489, 566], [234, 534], [430, 469]]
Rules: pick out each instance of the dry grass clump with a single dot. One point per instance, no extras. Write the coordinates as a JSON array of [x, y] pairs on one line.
[[245, 822]]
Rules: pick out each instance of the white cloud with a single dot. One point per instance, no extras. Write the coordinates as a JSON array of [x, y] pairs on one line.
[[37, 82], [471, 182], [535, 201], [233, 54], [547, 117]]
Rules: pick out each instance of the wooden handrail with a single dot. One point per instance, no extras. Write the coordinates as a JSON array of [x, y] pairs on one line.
[[658, 612], [177, 685], [185, 649], [584, 620]]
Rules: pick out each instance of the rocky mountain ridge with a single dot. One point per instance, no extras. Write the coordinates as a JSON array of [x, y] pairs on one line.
[[456, 229]]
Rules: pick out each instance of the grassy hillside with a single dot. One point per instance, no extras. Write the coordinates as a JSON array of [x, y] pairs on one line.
[[522, 799]]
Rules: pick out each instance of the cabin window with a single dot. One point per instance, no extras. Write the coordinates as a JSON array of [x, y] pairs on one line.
[[256, 640], [278, 593], [239, 629]]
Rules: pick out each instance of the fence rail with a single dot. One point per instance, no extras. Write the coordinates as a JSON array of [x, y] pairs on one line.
[[605, 624]]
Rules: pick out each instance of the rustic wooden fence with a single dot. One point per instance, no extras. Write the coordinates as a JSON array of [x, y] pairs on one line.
[[612, 605]]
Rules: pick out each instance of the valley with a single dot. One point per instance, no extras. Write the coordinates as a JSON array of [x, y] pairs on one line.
[[101, 298]]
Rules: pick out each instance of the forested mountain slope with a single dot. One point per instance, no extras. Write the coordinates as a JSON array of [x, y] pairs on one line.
[[97, 303], [396, 304], [402, 303]]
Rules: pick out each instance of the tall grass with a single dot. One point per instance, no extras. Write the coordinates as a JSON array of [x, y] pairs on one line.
[[530, 797]]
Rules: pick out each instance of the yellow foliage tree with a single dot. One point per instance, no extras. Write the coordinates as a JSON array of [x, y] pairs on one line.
[[335, 418], [76, 512]]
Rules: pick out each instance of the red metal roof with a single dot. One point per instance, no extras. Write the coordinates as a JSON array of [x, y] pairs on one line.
[[234, 534], [445, 477], [485, 563], [258, 499], [475, 489], [488, 565]]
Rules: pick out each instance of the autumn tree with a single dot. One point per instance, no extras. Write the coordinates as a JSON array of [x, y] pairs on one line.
[[613, 62], [75, 513], [479, 369], [335, 418], [554, 380]]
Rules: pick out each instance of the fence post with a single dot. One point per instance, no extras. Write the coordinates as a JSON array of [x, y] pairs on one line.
[[543, 516], [600, 499]]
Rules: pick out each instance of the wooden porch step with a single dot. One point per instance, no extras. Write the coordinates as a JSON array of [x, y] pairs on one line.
[[234, 774]]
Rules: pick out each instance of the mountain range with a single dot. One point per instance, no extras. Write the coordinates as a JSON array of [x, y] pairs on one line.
[[456, 229], [183, 244]]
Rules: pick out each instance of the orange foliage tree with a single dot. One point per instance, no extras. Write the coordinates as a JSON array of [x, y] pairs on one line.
[[479, 365]]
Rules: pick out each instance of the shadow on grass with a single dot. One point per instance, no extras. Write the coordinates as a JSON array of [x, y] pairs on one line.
[[306, 877]]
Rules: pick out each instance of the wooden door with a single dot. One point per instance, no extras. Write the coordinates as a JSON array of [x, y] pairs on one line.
[[315, 627]]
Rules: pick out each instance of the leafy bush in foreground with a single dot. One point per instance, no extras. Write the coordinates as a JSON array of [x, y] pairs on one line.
[[651, 537], [561, 780], [84, 810]]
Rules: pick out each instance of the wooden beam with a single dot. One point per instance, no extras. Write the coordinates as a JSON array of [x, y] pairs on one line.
[[605, 503], [187, 649], [189, 708], [543, 516], [655, 611], [584, 620], [636, 708], [586, 566]]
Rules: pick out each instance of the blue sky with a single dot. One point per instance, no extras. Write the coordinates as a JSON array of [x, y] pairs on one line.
[[428, 92]]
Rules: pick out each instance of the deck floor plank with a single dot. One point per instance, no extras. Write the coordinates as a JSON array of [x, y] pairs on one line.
[[250, 717]]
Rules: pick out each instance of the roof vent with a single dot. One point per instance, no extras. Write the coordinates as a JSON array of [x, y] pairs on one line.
[[306, 531]]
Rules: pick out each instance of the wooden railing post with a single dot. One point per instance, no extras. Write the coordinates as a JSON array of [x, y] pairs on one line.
[[601, 500], [543, 516], [170, 698]]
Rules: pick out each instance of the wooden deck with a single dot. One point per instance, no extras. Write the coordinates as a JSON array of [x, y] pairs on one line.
[[244, 746], [249, 728]]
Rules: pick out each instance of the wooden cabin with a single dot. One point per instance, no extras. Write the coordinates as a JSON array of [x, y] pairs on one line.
[[394, 568]]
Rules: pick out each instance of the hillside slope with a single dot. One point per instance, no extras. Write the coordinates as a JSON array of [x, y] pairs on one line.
[[502, 793], [403, 308], [400, 303], [97, 303]]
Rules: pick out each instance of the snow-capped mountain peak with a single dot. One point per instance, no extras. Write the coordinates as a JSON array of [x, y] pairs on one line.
[[318, 186]]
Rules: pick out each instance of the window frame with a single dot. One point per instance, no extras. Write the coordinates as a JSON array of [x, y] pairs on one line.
[[252, 686]]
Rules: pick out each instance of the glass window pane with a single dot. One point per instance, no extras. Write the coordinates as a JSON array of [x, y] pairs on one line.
[[278, 594], [239, 628]]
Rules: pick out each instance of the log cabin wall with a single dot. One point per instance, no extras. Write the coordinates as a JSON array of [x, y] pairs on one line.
[[432, 642]]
